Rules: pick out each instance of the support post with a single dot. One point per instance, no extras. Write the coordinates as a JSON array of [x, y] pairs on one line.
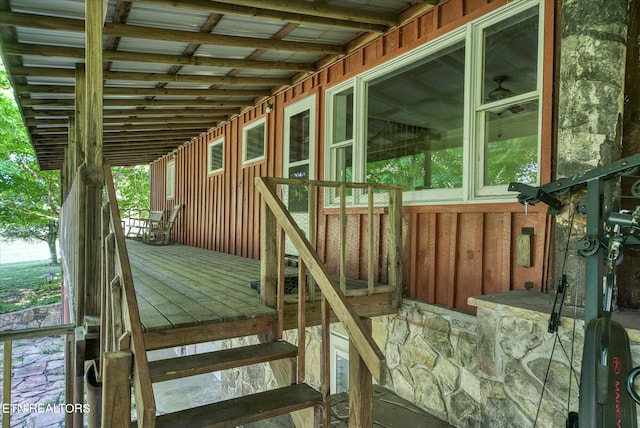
[[360, 387], [6, 382], [268, 256], [395, 245], [116, 398]]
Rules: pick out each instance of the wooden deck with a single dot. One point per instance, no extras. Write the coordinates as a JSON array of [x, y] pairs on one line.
[[187, 295], [181, 289]]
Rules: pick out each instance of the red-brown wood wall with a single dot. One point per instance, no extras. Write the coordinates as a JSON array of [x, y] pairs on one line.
[[451, 251]]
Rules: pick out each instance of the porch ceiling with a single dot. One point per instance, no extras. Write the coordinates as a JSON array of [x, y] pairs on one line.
[[173, 69]]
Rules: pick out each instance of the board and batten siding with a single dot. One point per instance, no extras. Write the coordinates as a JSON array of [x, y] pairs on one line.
[[451, 252]]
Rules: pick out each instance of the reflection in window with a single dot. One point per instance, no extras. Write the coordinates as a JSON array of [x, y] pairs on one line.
[[254, 141], [299, 137], [414, 124], [511, 56], [343, 116], [511, 145], [216, 156]]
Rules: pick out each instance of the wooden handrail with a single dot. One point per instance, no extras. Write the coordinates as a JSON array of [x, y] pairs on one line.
[[363, 342], [143, 391]]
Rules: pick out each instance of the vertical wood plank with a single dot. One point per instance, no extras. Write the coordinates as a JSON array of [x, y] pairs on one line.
[[453, 253], [268, 256], [302, 320], [360, 387], [116, 389], [313, 208], [326, 362], [343, 238], [395, 245], [370, 240], [6, 381]]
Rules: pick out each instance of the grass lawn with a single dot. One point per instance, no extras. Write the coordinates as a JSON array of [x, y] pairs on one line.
[[24, 285]]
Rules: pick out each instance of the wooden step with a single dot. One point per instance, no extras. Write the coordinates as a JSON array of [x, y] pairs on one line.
[[191, 365], [243, 410]]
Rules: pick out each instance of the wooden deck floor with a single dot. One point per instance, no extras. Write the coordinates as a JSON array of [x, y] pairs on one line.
[[181, 286]]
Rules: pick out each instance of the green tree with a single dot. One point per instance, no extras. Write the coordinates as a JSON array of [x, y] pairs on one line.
[[132, 188], [29, 198]]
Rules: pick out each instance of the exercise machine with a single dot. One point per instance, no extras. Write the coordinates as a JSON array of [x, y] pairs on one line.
[[607, 394]]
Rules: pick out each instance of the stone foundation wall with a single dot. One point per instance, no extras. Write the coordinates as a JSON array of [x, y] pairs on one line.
[[42, 316], [485, 370]]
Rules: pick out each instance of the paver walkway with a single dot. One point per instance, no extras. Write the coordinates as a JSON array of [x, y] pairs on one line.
[[38, 384]]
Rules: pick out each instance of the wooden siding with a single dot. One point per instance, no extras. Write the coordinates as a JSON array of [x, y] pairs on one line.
[[451, 251]]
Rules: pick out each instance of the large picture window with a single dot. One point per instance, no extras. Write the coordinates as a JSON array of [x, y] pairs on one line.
[[454, 120]]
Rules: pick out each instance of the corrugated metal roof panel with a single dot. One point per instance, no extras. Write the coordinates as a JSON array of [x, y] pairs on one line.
[[204, 71], [61, 8], [41, 61], [130, 44], [47, 81], [223, 52], [166, 17], [306, 33], [391, 6], [140, 67], [299, 57], [50, 37], [128, 84], [232, 25]]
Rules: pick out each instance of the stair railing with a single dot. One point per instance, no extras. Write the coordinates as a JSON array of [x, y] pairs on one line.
[[275, 214], [123, 354]]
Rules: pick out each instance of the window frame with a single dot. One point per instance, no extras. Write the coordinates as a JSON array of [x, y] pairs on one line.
[[245, 130], [470, 35], [170, 184], [210, 146]]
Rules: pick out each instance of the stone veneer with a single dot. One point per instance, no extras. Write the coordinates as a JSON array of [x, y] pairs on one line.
[[472, 371]]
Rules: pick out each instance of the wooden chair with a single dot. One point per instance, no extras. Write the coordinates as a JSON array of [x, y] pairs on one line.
[[138, 227], [160, 233]]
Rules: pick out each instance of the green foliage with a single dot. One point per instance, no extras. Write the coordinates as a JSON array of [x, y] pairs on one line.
[[24, 285], [29, 198], [132, 187]]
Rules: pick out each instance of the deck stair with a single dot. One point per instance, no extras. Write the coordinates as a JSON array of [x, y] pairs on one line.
[[241, 410]]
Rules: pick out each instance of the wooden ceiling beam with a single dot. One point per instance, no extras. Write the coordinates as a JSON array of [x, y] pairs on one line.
[[153, 77], [140, 32], [320, 10], [34, 102], [262, 10], [179, 92], [48, 114], [17, 49], [120, 120], [187, 127], [16, 19]]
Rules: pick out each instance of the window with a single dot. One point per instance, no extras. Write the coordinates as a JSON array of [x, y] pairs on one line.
[[254, 136], [171, 180], [339, 358], [215, 156], [454, 120]]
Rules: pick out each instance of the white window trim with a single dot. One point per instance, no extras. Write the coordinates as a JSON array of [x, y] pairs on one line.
[[308, 103], [245, 130], [217, 142], [470, 192], [170, 185], [339, 347]]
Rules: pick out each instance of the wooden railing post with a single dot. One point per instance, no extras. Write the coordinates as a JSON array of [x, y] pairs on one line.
[[116, 389], [268, 256], [6, 382], [370, 235], [343, 237], [395, 245], [360, 387], [312, 234]]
